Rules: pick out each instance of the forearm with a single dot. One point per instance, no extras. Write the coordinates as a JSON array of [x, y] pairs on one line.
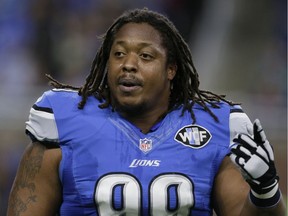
[[249, 209]]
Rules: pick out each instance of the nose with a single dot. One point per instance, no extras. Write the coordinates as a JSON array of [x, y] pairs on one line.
[[130, 63]]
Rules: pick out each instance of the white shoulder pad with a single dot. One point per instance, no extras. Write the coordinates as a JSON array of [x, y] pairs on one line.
[[42, 125], [239, 123]]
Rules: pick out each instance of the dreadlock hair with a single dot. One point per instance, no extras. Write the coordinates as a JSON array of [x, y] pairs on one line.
[[185, 85]]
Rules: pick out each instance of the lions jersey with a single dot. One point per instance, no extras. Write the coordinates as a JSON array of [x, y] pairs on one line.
[[109, 167]]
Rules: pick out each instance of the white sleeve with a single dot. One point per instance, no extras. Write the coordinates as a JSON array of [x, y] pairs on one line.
[[239, 123], [42, 125]]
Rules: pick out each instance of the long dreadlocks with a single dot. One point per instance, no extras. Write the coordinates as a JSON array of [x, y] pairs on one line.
[[185, 85]]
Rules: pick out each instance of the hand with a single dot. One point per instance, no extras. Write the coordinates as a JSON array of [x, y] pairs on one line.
[[255, 158]]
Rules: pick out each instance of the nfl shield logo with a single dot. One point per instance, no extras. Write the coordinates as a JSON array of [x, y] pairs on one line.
[[145, 145]]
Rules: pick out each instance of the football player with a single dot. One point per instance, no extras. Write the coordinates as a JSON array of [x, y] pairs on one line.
[[140, 138]]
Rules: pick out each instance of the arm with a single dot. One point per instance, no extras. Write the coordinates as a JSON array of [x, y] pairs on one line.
[[253, 155], [230, 190], [231, 194], [36, 189]]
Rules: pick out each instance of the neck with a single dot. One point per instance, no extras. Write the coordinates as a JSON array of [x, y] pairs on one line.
[[145, 121]]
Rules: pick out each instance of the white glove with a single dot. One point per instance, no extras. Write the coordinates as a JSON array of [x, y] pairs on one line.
[[255, 158]]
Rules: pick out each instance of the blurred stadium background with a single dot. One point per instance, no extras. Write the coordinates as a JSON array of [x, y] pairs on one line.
[[239, 48]]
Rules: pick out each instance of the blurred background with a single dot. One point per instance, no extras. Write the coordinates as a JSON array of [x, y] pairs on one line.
[[239, 48]]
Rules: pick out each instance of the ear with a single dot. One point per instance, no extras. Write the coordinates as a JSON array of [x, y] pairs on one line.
[[171, 71]]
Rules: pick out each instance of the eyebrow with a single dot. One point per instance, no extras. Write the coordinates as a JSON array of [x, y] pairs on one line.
[[140, 44]]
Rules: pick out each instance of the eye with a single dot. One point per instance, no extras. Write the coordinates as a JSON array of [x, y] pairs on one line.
[[119, 54], [146, 56]]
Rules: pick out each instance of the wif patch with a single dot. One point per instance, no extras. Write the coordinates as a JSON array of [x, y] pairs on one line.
[[145, 145], [193, 136]]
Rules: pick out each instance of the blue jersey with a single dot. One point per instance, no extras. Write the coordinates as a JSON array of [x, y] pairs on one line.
[[109, 167]]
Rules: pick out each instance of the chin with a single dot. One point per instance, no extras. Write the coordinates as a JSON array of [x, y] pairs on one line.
[[131, 108]]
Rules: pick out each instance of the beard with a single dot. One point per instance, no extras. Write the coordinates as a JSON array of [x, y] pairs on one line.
[[131, 109]]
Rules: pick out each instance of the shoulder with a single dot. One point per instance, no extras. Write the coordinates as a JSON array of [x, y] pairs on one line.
[[41, 124], [63, 100], [232, 116], [237, 116], [221, 110], [238, 120], [54, 110], [57, 96]]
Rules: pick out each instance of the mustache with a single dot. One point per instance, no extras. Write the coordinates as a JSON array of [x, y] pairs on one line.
[[129, 80]]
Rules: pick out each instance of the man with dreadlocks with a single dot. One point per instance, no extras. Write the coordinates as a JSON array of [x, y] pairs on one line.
[[140, 138]]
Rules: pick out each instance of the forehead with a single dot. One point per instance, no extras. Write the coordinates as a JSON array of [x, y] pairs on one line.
[[139, 32]]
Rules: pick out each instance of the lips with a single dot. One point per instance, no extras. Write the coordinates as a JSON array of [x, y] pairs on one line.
[[129, 84]]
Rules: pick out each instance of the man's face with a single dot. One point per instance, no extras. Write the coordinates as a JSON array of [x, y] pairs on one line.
[[138, 74]]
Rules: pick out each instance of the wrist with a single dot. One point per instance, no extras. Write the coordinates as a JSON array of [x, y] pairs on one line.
[[266, 200]]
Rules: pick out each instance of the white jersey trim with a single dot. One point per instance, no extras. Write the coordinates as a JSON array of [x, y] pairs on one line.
[[239, 123], [42, 126]]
